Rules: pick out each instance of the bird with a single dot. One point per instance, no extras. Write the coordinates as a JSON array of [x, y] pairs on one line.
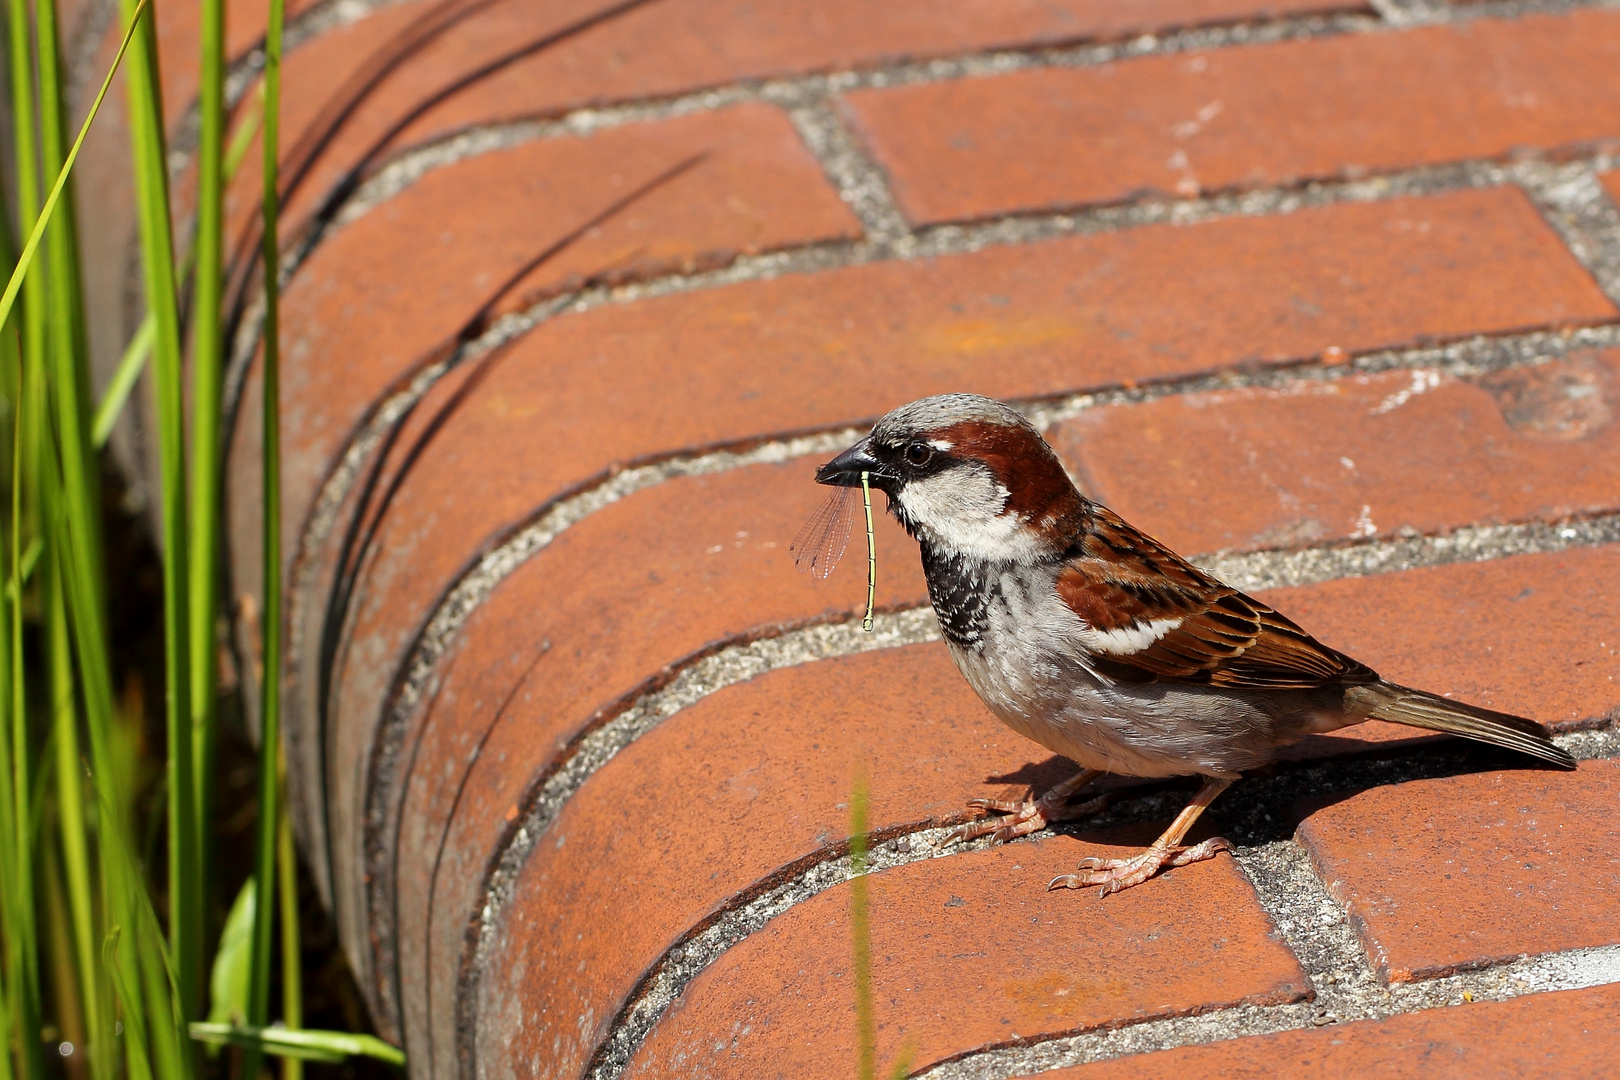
[[1093, 639]]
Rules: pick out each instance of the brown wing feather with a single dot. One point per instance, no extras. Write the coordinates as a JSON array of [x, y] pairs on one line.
[[1120, 578]]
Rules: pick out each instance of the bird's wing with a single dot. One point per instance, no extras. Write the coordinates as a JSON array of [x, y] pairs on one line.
[[1149, 615]]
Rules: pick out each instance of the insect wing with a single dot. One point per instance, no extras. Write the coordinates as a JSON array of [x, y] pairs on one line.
[[821, 543]]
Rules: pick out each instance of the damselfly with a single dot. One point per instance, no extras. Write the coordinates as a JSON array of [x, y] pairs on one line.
[[821, 543]]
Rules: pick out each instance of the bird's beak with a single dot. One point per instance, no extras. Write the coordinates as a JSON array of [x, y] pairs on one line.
[[845, 469]]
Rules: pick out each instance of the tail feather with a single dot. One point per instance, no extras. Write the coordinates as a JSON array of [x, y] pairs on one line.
[[1420, 709]]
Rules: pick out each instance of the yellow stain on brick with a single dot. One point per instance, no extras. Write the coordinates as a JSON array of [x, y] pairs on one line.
[[1061, 995], [973, 336]]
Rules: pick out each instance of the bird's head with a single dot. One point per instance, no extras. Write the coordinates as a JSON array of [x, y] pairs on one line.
[[968, 476]]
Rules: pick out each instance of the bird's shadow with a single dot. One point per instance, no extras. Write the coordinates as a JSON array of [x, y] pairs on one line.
[[1269, 804]]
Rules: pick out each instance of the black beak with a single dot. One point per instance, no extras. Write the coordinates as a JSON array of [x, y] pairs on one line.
[[845, 469]]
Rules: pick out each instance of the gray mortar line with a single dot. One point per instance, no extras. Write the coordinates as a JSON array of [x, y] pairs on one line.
[[1250, 571], [739, 663], [1261, 570], [792, 94], [807, 91], [1412, 12], [931, 242], [1578, 207], [800, 97], [241, 73], [859, 181], [863, 188], [1459, 359], [1314, 926], [1317, 930]]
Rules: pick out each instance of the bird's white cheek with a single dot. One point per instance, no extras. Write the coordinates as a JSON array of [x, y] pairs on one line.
[[960, 510]]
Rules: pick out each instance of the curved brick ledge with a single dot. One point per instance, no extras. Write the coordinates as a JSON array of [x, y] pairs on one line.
[[564, 337]]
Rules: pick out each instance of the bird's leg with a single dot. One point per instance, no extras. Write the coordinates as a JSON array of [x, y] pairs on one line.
[[1117, 875], [1030, 815]]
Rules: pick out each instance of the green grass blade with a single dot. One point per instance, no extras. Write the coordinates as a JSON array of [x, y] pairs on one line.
[[133, 362], [25, 148], [17, 897], [270, 690], [292, 975], [123, 381], [116, 958], [9, 298], [67, 994], [207, 408], [860, 928], [72, 829], [157, 250], [5, 1026], [331, 1046]]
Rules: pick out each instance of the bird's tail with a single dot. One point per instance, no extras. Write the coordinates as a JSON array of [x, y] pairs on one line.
[[1418, 708]]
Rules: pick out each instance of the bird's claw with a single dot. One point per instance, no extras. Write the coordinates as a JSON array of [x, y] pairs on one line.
[[1023, 817], [1026, 817], [1117, 875]]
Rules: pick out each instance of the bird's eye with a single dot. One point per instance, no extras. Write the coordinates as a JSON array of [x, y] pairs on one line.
[[919, 454]]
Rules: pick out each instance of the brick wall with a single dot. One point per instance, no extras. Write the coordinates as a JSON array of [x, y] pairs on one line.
[[579, 293]]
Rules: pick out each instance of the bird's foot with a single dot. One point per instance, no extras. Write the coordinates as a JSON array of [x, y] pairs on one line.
[[1022, 818], [1117, 875]]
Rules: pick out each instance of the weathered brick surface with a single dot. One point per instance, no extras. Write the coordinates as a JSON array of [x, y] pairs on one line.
[[1434, 628], [723, 795], [930, 326], [558, 645], [1561, 1036], [686, 45], [1611, 181], [970, 952], [1459, 872], [1527, 635], [179, 26], [1376, 455], [390, 293], [1273, 114], [933, 326]]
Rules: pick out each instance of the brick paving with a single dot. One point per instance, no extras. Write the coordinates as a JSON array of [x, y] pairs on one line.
[[1321, 293]]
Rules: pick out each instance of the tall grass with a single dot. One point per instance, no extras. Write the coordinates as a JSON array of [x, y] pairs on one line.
[[79, 906], [860, 932]]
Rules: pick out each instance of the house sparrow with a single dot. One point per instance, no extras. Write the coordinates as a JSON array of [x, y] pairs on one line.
[[1101, 644]]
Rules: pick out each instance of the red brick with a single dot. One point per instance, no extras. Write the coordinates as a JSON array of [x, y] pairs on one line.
[[933, 326], [721, 797], [1370, 616], [1612, 182], [675, 46], [594, 636], [971, 952], [1002, 321], [1441, 875], [1532, 635], [382, 294], [688, 44], [1374, 455], [1014, 322], [312, 77], [179, 26], [1561, 1036], [1245, 117]]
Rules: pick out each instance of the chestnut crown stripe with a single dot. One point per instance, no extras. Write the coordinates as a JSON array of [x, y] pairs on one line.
[[1039, 490]]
